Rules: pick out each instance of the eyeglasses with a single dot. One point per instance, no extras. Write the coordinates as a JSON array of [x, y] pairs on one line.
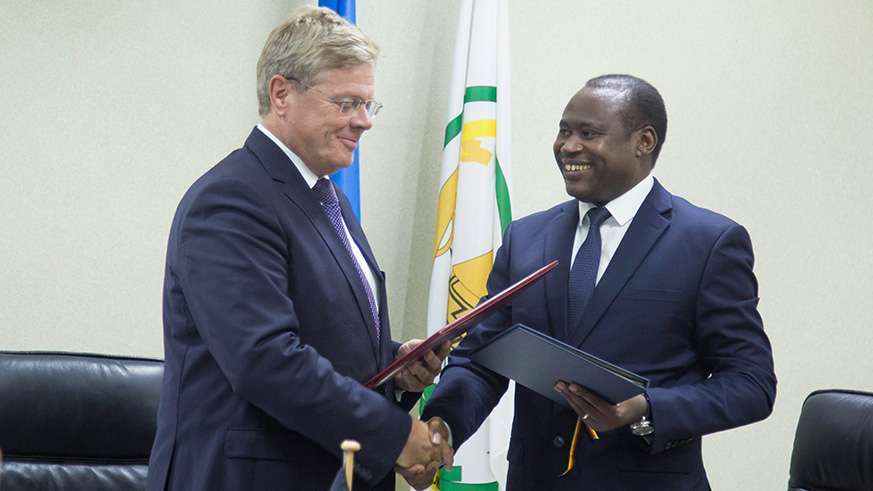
[[349, 105]]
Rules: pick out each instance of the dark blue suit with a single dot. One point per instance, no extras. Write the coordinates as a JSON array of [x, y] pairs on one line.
[[677, 304], [268, 335]]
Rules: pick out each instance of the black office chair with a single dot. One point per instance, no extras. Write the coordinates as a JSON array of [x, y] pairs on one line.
[[71, 421], [833, 446]]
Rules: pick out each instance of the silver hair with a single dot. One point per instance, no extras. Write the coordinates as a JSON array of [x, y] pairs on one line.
[[312, 42]]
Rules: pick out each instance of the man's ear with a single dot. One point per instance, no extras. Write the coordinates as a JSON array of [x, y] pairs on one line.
[[280, 88], [647, 141]]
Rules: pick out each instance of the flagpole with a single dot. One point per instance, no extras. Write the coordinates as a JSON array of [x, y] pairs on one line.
[[349, 448]]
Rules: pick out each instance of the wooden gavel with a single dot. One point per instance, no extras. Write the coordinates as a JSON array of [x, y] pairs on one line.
[[349, 448]]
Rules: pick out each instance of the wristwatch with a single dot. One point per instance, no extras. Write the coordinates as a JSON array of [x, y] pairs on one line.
[[642, 427]]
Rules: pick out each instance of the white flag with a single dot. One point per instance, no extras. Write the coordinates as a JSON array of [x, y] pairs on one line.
[[474, 207]]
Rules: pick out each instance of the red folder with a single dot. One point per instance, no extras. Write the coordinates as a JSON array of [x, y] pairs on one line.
[[459, 326]]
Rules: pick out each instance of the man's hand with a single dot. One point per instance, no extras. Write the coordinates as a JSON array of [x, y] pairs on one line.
[[422, 476], [599, 414], [419, 479], [439, 432], [417, 376]]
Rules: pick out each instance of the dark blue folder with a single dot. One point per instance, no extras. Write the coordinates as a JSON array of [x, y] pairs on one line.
[[537, 362]]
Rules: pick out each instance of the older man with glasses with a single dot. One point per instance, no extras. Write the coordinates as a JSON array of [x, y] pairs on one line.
[[274, 306]]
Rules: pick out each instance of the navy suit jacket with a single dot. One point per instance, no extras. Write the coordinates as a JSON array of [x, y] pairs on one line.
[[268, 336], [677, 304]]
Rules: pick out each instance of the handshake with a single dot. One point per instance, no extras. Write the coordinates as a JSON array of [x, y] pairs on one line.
[[426, 450], [427, 447]]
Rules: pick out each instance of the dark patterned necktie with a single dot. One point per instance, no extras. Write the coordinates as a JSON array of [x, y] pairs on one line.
[[325, 193], [583, 276]]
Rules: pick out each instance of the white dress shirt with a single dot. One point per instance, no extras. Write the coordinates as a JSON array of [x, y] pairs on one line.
[[622, 211]]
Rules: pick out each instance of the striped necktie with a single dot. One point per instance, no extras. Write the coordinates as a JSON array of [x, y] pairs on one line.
[[583, 276], [324, 192]]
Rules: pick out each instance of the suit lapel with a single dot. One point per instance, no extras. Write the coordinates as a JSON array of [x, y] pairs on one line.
[[559, 245], [285, 173], [648, 225], [360, 239]]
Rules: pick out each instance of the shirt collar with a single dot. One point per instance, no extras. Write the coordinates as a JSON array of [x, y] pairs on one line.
[[309, 176], [625, 206]]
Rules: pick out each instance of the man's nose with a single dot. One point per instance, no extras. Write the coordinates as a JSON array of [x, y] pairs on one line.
[[361, 118], [572, 144]]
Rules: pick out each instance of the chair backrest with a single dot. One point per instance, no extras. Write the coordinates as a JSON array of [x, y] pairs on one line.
[[833, 446], [71, 421]]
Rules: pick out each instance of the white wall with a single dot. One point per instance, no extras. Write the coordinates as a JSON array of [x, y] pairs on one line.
[[109, 110]]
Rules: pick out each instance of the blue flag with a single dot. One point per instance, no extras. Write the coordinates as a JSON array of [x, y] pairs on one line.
[[339, 482], [348, 179]]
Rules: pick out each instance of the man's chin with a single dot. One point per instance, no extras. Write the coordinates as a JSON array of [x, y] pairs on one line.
[[339, 165], [578, 192]]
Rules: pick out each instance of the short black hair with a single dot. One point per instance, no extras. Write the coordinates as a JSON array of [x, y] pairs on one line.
[[643, 105]]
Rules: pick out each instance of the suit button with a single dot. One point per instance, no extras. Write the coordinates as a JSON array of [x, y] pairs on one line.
[[558, 441]]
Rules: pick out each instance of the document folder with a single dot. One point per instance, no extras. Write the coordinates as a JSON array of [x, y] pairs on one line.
[[460, 325], [537, 362]]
